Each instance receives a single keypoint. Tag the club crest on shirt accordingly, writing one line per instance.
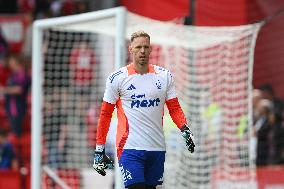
(159, 84)
(162, 69)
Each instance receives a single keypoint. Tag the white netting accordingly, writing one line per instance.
(75, 67)
(212, 69)
(213, 85)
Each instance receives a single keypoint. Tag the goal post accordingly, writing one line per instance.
(212, 67)
(37, 72)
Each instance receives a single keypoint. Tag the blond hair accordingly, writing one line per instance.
(139, 33)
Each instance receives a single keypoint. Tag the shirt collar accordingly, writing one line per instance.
(131, 70)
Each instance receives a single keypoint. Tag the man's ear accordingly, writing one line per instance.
(130, 49)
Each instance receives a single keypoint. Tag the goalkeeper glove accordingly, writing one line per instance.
(188, 136)
(101, 160)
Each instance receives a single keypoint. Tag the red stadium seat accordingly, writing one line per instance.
(27, 124)
(10, 180)
(2, 108)
(25, 149)
(28, 181)
(270, 177)
(4, 74)
(5, 123)
(29, 99)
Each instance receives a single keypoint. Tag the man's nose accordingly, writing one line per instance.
(142, 49)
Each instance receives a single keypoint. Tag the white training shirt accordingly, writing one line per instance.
(140, 103)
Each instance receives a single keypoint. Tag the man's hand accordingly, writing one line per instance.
(101, 160)
(188, 136)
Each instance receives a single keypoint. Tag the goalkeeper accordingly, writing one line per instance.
(139, 91)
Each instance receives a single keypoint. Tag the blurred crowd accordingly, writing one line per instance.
(268, 126)
(15, 107)
(15, 80)
(44, 8)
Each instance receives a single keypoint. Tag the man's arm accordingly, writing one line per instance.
(104, 122)
(111, 95)
(176, 112)
(101, 160)
(179, 119)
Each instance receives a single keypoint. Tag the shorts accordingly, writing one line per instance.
(140, 166)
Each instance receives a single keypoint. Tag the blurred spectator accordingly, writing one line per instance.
(276, 150)
(68, 7)
(7, 155)
(56, 8)
(4, 47)
(82, 7)
(257, 96)
(263, 128)
(27, 46)
(277, 104)
(276, 135)
(26, 6)
(82, 74)
(16, 93)
(55, 127)
(82, 67)
(42, 9)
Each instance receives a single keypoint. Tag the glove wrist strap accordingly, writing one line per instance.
(100, 148)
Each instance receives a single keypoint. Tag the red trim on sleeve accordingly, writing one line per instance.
(176, 112)
(104, 122)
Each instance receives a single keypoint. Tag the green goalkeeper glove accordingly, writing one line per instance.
(101, 160)
(188, 136)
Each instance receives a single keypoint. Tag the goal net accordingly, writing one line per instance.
(212, 67)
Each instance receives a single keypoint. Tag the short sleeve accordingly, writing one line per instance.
(171, 92)
(111, 94)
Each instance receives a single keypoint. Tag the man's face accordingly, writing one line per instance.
(12, 63)
(140, 49)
